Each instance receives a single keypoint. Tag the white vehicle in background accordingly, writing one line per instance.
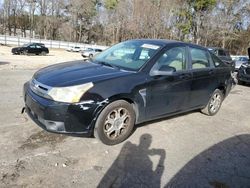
(90, 52)
(74, 49)
(234, 57)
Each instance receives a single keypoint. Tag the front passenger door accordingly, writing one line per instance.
(168, 94)
(38, 49)
(32, 49)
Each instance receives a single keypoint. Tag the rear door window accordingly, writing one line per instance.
(217, 62)
(199, 58)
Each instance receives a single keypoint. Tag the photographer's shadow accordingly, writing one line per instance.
(133, 167)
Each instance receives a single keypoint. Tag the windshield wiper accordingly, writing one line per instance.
(107, 64)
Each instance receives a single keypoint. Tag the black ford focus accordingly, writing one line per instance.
(130, 83)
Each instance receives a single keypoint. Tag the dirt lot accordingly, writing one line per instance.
(190, 150)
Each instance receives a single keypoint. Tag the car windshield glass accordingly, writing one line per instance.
(130, 55)
(88, 50)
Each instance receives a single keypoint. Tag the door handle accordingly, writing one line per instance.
(211, 72)
(185, 76)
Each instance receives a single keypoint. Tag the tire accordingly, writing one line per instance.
(115, 123)
(214, 103)
(43, 53)
(240, 82)
(90, 56)
(24, 52)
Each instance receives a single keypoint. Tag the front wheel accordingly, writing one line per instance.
(25, 52)
(115, 123)
(214, 103)
(240, 82)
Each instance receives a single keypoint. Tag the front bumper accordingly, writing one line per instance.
(77, 119)
(244, 77)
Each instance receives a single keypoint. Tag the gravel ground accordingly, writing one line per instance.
(189, 150)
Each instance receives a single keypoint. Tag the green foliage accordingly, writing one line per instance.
(202, 5)
(184, 21)
(111, 4)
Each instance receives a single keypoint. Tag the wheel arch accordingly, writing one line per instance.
(128, 99)
(223, 89)
(112, 99)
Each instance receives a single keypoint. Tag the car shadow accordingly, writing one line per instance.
(224, 165)
(133, 166)
(244, 84)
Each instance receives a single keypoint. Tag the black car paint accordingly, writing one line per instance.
(29, 50)
(152, 96)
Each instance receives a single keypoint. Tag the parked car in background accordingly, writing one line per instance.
(74, 49)
(244, 71)
(90, 52)
(132, 82)
(240, 60)
(234, 57)
(31, 48)
(223, 54)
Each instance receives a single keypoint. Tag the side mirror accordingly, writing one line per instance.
(164, 70)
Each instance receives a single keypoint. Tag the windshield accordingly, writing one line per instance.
(130, 55)
(89, 50)
(243, 59)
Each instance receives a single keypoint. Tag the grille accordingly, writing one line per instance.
(247, 70)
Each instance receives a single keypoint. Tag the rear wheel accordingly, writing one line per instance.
(115, 123)
(43, 53)
(214, 103)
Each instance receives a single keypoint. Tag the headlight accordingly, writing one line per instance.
(70, 94)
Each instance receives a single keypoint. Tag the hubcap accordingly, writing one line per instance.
(116, 123)
(215, 103)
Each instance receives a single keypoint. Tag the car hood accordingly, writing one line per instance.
(76, 73)
(17, 48)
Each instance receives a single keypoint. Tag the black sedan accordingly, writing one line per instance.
(130, 83)
(31, 48)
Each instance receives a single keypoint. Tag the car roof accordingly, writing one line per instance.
(35, 43)
(164, 42)
(216, 48)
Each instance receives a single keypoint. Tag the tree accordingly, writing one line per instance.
(111, 4)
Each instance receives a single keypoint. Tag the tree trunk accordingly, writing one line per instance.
(14, 22)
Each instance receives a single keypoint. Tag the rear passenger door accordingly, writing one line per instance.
(204, 78)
